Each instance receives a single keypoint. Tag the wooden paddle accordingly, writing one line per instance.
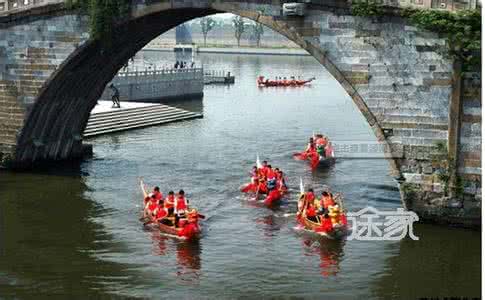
(143, 190)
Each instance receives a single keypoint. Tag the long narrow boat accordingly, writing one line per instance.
(262, 82)
(317, 159)
(272, 197)
(189, 228)
(337, 230)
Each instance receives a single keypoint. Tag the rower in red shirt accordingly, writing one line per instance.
(310, 147)
(310, 196)
(262, 188)
(169, 203)
(264, 169)
(160, 213)
(326, 201)
(157, 193)
(150, 206)
(270, 173)
(311, 213)
(327, 225)
(181, 206)
(281, 184)
(305, 199)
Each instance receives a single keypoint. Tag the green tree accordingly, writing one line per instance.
(206, 25)
(257, 32)
(239, 28)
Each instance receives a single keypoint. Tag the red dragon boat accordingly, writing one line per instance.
(188, 227)
(335, 228)
(259, 185)
(323, 156)
(262, 82)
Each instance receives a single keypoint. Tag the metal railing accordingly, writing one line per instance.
(157, 72)
(19, 5)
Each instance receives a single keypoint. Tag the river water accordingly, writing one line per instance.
(74, 230)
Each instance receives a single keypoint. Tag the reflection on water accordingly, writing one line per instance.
(187, 255)
(271, 224)
(188, 259)
(418, 268)
(48, 242)
(331, 253)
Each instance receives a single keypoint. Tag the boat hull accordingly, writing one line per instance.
(189, 231)
(262, 82)
(338, 232)
(179, 232)
(326, 161)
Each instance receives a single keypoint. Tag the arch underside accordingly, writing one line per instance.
(54, 127)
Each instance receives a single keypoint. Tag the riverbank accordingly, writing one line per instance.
(240, 50)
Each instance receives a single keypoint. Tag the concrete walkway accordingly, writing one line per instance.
(106, 106)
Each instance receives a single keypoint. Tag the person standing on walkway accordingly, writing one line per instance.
(115, 97)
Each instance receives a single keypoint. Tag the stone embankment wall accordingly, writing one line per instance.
(154, 85)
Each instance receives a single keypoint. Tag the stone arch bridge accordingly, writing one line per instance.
(411, 94)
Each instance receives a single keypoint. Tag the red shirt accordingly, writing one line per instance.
(161, 213)
(181, 203)
(327, 224)
(310, 211)
(152, 205)
(158, 195)
(169, 201)
(310, 197)
(264, 171)
(327, 201)
(270, 173)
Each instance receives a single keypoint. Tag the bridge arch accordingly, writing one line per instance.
(62, 108)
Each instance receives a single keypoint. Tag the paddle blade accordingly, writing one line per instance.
(299, 156)
(302, 189)
(258, 162)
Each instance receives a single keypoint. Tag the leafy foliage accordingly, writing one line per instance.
(462, 30)
(446, 168)
(206, 25)
(257, 32)
(239, 28)
(103, 15)
(410, 189)
(366, 9)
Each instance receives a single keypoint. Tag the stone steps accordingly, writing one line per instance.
(132, 118)
(102, 116)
